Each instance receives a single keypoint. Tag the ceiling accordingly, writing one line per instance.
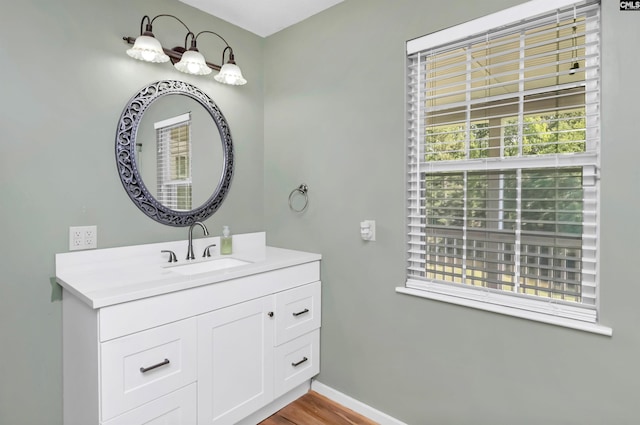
(262, 17)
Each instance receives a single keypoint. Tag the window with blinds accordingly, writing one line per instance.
(503, 159)
(173, 139)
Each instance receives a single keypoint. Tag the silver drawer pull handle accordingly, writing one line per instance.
(300, 313)
(155, 366)
(304, 359)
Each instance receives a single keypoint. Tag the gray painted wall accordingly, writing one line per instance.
(64, 81)
(334, 119)
(331, 114)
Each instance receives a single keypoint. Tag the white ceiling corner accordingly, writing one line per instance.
(262, 17)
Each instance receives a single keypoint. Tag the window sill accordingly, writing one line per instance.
(509, 311)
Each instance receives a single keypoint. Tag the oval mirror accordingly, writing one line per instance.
(174, 153)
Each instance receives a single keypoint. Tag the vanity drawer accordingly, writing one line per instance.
(141, 367)
(296, 361)
(298, 312)
(176, 408)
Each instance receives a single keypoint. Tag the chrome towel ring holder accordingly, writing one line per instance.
(299, 191)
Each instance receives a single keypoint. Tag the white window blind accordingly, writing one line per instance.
(173, 139)
(503, 159)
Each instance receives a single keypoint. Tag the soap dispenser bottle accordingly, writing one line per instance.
(226, 241)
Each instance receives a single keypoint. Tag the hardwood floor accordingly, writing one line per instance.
(315, 409)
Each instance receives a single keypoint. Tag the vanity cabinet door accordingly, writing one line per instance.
(235, 361)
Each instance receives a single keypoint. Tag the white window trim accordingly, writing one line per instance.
(488, 300)
(438, 294)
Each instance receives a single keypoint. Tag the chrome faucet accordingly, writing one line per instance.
(190, 255)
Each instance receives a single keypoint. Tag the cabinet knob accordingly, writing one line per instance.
(270, 314)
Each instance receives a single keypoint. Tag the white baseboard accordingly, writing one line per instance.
(353, 404)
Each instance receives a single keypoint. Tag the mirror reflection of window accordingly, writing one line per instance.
(173, 141)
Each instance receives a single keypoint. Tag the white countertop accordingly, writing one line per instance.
(111, 276)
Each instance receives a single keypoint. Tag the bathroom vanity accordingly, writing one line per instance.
(218, 340)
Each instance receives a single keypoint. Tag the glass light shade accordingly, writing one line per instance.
(192, 62)
(148, 49)
(230, 74)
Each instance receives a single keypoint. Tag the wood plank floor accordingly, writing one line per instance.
(315, 409)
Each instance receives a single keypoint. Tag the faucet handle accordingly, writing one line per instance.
(206, 252)
(172, 255)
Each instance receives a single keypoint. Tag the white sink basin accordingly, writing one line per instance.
(207, 266)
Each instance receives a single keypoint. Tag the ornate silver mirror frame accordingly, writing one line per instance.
(128, 168)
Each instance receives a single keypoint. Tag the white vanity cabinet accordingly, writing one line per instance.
(213, 354)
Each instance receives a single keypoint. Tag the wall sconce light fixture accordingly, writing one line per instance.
(147, 48)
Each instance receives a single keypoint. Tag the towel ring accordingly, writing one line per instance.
(300, 190)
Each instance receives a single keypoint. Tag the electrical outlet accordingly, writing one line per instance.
(83, 237)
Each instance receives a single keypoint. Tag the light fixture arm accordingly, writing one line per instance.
(231, 57)
(148, 25)
(162, 15)
(193, 44)
(214, 33)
